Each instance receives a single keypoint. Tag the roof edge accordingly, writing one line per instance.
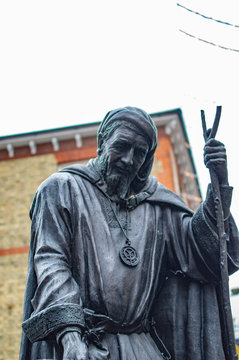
(72, 127)
(47, 131)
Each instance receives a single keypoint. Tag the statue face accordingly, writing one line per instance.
(123, 155)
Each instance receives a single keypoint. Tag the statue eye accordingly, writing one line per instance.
(140, 152)
(120, 146)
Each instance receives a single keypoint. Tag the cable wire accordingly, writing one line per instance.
(208, 42)
(207, 17)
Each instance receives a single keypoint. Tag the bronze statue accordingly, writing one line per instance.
(119, 267)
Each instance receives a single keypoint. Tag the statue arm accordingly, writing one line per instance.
(57, 302)
(215, 158)
(205, 224)
(192, 240)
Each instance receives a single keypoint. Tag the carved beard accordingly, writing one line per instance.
(117, 184)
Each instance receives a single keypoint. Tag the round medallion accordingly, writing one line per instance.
(129, 256)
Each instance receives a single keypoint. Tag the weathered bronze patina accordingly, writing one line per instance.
(87, 296)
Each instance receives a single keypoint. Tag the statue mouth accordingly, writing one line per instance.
(122, 168)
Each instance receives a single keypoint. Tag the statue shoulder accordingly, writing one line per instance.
(65, 182)
(56, 181)
(57, 191)
(163, 195)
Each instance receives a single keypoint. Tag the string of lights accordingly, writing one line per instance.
(208, 42)
(207, 17)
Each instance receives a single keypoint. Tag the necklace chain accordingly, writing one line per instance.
(128, 254)
(128, 241)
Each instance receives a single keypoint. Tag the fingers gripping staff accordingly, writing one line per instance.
(216, 180)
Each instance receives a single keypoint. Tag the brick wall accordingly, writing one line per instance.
(162, 167)
(13, 270)
(19, 180)
(69, 153)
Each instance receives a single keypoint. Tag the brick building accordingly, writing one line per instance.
(27, 159)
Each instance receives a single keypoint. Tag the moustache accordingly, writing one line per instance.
(126, 168)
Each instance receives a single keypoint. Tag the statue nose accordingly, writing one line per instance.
(127, 157)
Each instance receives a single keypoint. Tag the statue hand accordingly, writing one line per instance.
(215, 158)
(74, 347)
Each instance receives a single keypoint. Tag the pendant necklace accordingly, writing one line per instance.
(128, 254)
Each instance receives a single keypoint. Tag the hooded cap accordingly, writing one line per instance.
(143, 122)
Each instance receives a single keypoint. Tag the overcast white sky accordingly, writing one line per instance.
(69, 62)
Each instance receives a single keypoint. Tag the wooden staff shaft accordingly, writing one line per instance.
(224, 280)
(222, 236)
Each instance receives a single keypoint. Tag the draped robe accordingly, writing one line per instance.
(76, 277)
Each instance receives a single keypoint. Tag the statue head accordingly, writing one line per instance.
(127, 140)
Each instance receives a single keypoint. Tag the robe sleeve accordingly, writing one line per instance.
(56, 302)
(193, 244)
(187, 311)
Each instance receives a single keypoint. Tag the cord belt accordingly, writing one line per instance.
(98, 324)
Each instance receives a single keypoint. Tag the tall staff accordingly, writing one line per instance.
(224, 281)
